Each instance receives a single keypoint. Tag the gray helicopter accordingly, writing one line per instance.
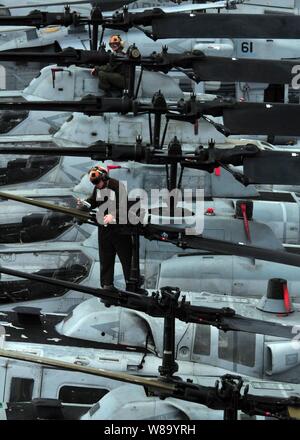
(151, 255)
(214, 221)
(68, 331)
(20, 37)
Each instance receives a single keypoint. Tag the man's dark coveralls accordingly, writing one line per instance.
(111, 241)
(112, 75)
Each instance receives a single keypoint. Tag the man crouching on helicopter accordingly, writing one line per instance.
(112, 76)
(111, 241)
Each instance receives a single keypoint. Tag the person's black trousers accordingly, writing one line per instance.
(111, 243)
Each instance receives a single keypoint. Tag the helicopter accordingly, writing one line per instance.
(144, 406)
(20, 38)
(51, 83)
(214, 49)
(88, 309)
(54, 37)
(243, 49)
(267, 241)
(61, 227)
(30, 122)
(157, 264)
(208, 66)
(151, 255)
(117, 153)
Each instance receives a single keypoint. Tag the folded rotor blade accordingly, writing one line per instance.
(267, 167)
(242, 250)
(219, 246)
(38, 5)
(249, 325)
(239, 117)
(189, 241)
(83, 216)
(226, 320)
(226, 26)
(66, 57)
(123, 377)
(50, 151)
(237, 322)
(247, 70)
(263, 118)
(91, 106)
(273, 167)
(111, 5)
(206, 69)
(181, 25)
(205, 395)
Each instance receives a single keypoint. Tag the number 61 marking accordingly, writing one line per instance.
(247, 47)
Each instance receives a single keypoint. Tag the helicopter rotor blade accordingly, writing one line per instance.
(273, 167)
(190, 7)
(123, 377)
(206, 68)
(165, 233)
(66, 57)
(260, 166)
(244, 70)
(45, 4)
(111, 5)
(247, 117)
(239, 117)
(205, 395)
(226, 26)
(225, 319)
(153, 231)
(248, 325)
(51, 151)
(263, 118)
(90, 106)
(176, 25)
(83, 216)
(260, 327)
(263, 167)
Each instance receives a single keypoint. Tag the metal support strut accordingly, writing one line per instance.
(170, 300)
(95, 14)
(135, 282)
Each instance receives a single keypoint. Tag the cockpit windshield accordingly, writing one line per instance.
(71, 266)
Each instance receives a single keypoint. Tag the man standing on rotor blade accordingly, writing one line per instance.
(112, 76)
(111, 240)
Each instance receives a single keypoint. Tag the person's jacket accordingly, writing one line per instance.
(114, 67)
(121, 198)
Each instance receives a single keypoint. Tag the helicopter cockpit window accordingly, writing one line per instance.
(4, 12)
(21, 170)
(63, 265)
(237, 347)
(31, 34)
(81, 395)
(9, 119)
(4, 36)
(35, 224)
(202, 340)
(21, 389)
